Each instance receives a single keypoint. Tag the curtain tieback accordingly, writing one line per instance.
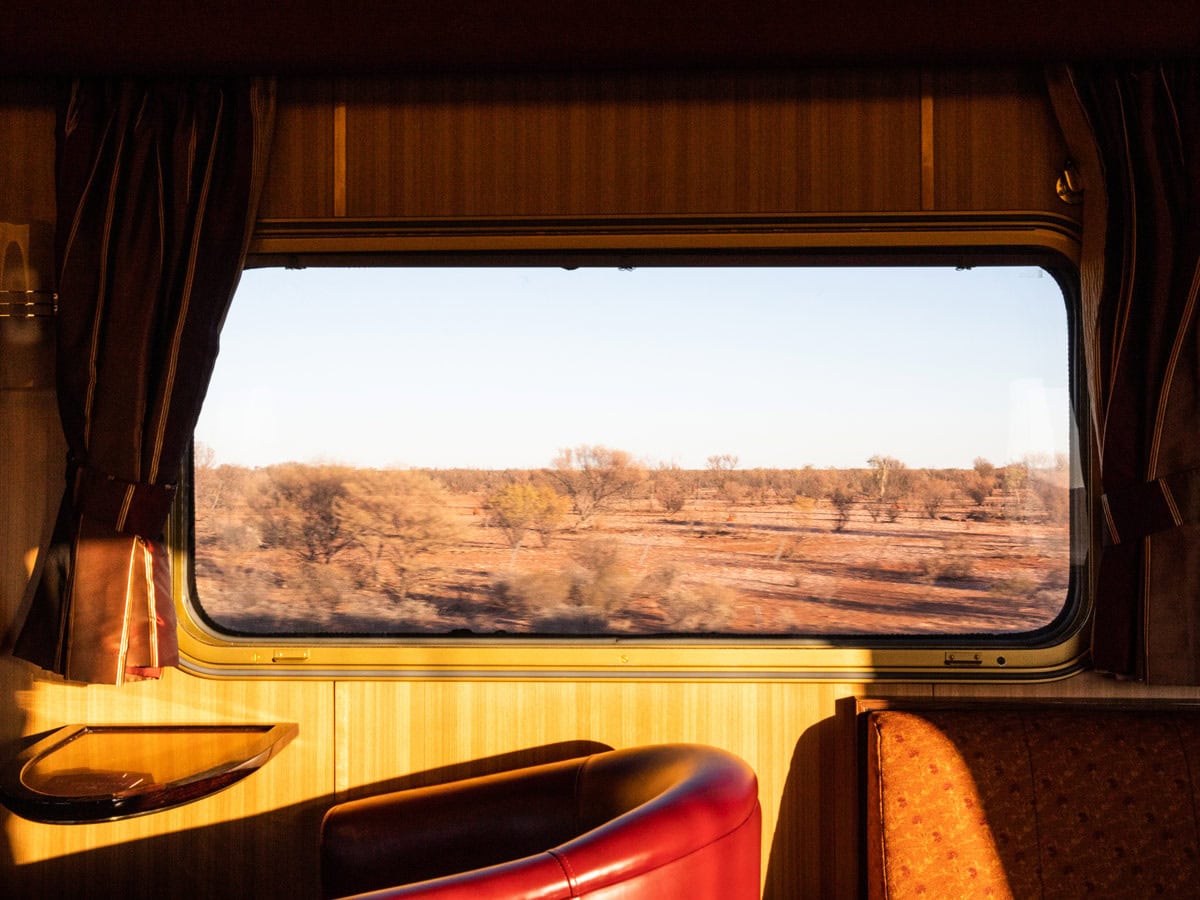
(1138, 510)
(130, 507)
(149, 614)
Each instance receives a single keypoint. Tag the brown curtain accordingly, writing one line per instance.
(157, 188)
(1140, 285)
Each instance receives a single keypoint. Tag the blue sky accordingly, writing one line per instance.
(495, 368)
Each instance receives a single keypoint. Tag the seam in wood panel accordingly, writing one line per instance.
(339, 149)
(927, 160)
(341, 778)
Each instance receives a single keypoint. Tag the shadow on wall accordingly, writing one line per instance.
(270, 855)
(802, 856)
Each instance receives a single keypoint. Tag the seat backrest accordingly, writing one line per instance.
(1032, 801)
(667, 821)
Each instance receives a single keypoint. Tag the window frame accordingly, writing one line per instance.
(1046, 240)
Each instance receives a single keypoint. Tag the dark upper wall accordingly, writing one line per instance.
(369, 36)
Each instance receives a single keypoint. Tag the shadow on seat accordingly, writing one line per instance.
(668, 821)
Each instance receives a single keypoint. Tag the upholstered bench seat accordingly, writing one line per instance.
(1036, 801)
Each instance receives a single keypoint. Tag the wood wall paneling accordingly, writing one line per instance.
(300, 179)
(27, 157)
(634, 145)
(256, 838)
(660, 144)
(993, 147)
(447, 730)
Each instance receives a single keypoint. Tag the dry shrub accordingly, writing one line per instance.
(529, 595)
(602, 582)
(584, 599)
(567, 619)
(705, 607)
(1055, 500)
(658, 583)
(954, 563)
(552, 603)
(1015, 586)
(789, 548)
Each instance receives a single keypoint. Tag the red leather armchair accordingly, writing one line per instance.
(662, 822)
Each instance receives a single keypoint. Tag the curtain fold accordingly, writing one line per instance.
(1140, 287)
(158, 183)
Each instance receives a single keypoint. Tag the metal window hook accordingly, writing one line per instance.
(1069, 186)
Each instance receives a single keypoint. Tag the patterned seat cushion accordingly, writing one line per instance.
(1053, 803)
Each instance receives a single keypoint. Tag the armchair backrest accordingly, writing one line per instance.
(667, 821)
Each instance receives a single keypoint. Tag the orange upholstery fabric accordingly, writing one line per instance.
(1048, 803)
(670, 821)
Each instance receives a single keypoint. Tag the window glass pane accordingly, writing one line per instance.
(739, 451)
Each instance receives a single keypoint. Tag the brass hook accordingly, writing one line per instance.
(1070, 186)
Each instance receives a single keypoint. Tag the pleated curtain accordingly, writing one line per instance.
(1140, 286)
(158, 183)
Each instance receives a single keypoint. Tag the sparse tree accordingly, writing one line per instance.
(1048, 477)
(843, 494)
(843, 501)
(932, 493)
(1013, 480)
(984, 468)
(720, 474)
(719, 467)
(810, 482)
(594, 477)
(398, 518)
(1055, 499)
(374, 524)
(519, 508)
(298, 511)
(672, 487)
(210, 483)
(887, 483)
(979, 483)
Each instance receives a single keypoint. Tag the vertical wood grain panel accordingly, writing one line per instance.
(339, 148)
(928, 200)
(631, 145)
(440, 731)
(865, 142)
(27, 154)
(852, 141)
(255, 838)
(996, 142)
(300, 174)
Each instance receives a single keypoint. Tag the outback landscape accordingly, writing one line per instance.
(600, 543)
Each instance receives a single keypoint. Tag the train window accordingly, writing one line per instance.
(638, 453)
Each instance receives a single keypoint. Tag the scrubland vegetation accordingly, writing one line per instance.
(598, 542)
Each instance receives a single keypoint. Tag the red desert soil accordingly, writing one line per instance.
(760, 570)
